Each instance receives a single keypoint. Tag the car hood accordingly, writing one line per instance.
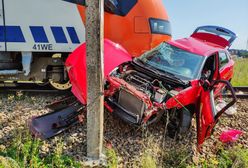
(114, 55)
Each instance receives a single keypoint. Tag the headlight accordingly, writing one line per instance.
(159, 26)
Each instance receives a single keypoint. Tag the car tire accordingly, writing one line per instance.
(185, 119)
(181, 125)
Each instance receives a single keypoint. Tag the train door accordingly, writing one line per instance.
(2, 27)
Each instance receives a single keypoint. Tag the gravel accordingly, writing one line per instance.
(129, 142)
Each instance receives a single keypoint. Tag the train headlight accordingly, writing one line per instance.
(159, 26)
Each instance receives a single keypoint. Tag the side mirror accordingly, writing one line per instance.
(205, 75)
(205, 79)
(205, 84)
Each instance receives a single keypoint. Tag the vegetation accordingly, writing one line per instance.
(112, 160)
(244, 54)
(148, 161)
(25, 153)
(240, 72)
(234, 157)
(176, 158)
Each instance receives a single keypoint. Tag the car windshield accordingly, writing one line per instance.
(173, 60)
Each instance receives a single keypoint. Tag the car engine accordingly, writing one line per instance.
(138, 95)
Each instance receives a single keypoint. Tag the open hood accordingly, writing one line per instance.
(114, 55)
(215, 35)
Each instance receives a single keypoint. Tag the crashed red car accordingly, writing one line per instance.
(178, 78)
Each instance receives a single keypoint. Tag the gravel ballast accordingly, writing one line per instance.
(130, 143)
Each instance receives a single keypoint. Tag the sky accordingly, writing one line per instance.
(186, 15)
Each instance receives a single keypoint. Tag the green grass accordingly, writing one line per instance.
(240, 77)
(235, 157)
(112, 160)
(25, 153)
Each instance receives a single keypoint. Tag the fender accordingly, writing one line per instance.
(185, 97)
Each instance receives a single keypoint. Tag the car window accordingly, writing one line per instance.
(171, 59)
(223, 59)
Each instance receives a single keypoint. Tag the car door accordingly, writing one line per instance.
(207, 115)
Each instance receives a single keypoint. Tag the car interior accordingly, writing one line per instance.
(209, 68)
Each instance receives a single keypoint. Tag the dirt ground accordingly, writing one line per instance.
(130, 143)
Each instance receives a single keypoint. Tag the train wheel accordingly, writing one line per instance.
(60, 86)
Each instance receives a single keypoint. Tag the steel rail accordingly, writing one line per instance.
(32, 88)
(241, 91)
(241, 88)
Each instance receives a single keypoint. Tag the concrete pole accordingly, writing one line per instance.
(95, 77)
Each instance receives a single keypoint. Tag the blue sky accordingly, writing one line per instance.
(186, 15)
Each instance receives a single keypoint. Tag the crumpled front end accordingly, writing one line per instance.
(138, 98)
(114, 55)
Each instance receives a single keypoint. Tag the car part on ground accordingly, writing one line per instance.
(54, 123)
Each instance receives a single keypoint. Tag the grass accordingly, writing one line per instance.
(24, 152)
(234, 157)
(112, 160)
(148, 161)
(240, 77)
(177, 157)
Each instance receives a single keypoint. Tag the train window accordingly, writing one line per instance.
(159, 26)
(111, 6)
(119, 7)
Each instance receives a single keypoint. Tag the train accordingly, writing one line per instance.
(36, 36)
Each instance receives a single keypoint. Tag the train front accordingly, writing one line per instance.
(137, 25)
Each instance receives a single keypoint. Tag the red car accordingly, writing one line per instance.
(177, 78)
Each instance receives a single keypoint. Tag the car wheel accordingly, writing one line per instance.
(181, 124)
(185, 120)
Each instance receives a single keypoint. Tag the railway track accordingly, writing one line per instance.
(32, 88)
(241, 91)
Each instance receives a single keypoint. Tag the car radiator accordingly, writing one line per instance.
(131, 103)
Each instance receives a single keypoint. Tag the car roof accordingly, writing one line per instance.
(196, 46)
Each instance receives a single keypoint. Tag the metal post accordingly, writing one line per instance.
(95, 77)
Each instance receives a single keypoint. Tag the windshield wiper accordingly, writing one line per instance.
(157, 71)
(166, 74)
(152, 69)
(174, 76)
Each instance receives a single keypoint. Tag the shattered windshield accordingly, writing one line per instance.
(173, 60)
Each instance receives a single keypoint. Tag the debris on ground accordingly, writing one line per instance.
(230, 136)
